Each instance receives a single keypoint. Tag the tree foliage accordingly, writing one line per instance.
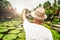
(46, 4)
(6, 9)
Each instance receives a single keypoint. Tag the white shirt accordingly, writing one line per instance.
(36, 32)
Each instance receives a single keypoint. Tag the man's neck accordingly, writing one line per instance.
(36, 21)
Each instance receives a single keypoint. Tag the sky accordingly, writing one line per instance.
(29, 4)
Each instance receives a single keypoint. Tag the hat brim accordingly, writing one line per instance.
(35, 16)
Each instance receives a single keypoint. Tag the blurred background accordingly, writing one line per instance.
(11, 27)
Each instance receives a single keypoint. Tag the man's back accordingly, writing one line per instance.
(36, 32)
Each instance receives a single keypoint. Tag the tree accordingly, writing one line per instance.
(6, 9)
(46, 4)
(4, 3)
(37, 7)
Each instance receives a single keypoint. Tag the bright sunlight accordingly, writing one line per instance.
(29, 4)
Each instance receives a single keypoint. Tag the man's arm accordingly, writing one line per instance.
(24, 14)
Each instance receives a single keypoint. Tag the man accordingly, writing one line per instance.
(35, 31)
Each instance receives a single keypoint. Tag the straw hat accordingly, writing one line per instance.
(39, 13)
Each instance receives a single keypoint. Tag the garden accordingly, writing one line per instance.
(11, 27)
